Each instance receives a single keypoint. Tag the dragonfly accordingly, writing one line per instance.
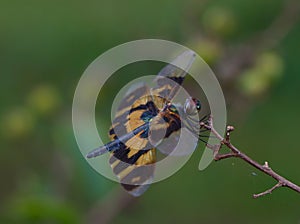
(145, 117)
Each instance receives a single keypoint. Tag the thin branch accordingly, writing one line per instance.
(223, 156)
(234, 152)
(269, 191)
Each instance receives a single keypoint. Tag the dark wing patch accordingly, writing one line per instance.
(118, 124)
(136, 174)
(171, 77)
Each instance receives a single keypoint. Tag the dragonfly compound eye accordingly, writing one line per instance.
(198, 104)
(192, 106)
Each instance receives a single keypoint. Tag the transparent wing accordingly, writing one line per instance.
(171, 77)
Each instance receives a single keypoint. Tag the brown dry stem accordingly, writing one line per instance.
(234, 152)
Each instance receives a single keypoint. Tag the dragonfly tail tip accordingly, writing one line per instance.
(96, 152)
(89, 155)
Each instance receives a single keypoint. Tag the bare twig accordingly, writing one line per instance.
(269, 191)
(234, 152)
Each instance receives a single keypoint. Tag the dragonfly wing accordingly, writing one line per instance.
(179, 143)
(133, 161)
(171, 77)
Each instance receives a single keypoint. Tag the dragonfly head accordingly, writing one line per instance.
(192, 106)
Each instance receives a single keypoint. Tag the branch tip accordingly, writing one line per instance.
(269, 191)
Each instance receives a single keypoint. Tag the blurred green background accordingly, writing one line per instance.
(253, 47)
